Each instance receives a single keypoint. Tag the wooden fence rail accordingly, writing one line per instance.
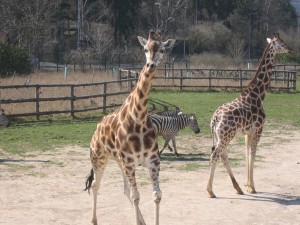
(75, 98)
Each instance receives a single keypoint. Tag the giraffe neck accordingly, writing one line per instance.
(137, 101)
(259, 84)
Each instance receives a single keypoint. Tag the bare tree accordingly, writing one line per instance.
(28, 22)
(236, 49)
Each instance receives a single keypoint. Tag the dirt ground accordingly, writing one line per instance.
(47, 188)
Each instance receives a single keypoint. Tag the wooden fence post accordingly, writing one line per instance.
(72, 99)
(129, 82)
(209, 80)
(37, 103)
(181, 79)
(241, 80)
(104, 97)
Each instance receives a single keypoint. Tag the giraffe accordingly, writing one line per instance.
(244, 114)
(127, 136)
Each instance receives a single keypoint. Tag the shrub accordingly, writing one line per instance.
(13, 59)
(211, 37)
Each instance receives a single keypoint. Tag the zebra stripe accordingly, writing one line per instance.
(168, 127)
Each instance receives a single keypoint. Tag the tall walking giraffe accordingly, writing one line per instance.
(127, 136)
(244, 114)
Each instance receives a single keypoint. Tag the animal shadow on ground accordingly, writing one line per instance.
(282, 199)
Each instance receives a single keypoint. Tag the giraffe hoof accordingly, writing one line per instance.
(239, 191)
(251, 190)
(211, 194)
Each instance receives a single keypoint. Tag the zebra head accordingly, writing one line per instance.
(193, 125)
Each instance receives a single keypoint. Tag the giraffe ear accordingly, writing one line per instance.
(142, 41)
(269, 40)
(169, 43)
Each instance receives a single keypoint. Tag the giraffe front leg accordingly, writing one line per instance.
(154, 168)
(127, 193)
(134, 195)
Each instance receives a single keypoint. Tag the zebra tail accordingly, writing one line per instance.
(89, 181)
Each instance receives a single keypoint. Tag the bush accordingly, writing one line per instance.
(13, 59)
(211, 37)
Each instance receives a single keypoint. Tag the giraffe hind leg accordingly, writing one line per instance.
(228, 168)
(98, 170)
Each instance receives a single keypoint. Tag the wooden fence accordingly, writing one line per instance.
(38, 100)
(212, 79)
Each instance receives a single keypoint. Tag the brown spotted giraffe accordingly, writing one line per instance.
(127, 136)
(244, 114)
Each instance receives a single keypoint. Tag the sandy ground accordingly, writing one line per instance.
(47, 188)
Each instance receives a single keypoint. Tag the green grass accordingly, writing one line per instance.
(283, 108)
(191, 166)
(26, 136)
(45, 136)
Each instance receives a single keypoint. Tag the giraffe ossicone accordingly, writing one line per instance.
(244, 114)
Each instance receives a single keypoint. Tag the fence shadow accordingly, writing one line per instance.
(23, 161)
(157, 104)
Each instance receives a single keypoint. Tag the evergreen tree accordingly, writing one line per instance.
(124, 14)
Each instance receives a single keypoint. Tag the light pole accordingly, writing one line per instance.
(78, 23)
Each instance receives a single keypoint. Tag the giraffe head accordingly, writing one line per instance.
(278, 45)
(154, 47)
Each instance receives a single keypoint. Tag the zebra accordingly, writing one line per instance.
(3, 119)
(168, 127)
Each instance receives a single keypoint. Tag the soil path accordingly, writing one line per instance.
(47, 188)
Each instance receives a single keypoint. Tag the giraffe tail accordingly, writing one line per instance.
(212, 126)
(89, 181)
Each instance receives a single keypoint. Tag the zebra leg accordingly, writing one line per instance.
(167, 140)
(174, 145)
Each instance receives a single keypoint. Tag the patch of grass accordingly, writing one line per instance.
(236, 161)
(45, 137)
(191, 167)
(56, 163)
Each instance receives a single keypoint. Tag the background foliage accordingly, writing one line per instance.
(59, 27)
(13, 59)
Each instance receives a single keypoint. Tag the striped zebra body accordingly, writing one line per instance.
(3, 119)
(168, 127)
